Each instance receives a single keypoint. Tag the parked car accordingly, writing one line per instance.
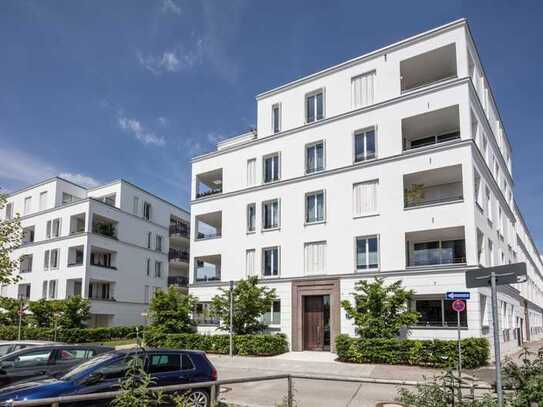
(11, 346)
(48, 360)
(104, 373)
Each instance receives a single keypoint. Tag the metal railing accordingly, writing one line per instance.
(422, 202)
(214, 388)
(179, 281)
(178, 255)
(177, 229)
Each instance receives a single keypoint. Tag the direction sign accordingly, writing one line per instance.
(455, 295)
(507, 274)
(458, 305)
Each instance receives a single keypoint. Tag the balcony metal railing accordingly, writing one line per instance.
(209, 192)
(178, 255)
(435, 259)
(421, 202)
(177, 229)
(105, 229)
(204, 236)
(178, 281)
(103, 266)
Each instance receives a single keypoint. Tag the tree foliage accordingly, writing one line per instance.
(10, 239)
(250, 303)
(8, 311)
(171, 311)
(379, 310)
(74, 312)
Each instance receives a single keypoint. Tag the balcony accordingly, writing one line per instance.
(428, 68)
(74, 288)
(178, 281)
(179, 228)
(103, 258)
(209, 225)
(28, 235)
(104, 226)
(209, 183)
(436, 247)
(75, 256)
(431, 187)
(178, 255)
(101, 290)
(77, 223)
(431, 128)
(207, 268)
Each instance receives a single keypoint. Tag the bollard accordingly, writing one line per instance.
(213, 396)
(289, 391)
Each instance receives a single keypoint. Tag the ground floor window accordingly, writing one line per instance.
(439, 313)
(273, 316)
(202, 314)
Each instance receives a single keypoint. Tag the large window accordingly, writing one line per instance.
(314, 207)
(251, 172)
(364, 145)
(250, 255)
(271, 168)
(440, 252)
(365, 198)
(273, 316)
(315, 258)
(438, 312)
(53, 228)
(314, 106)
(28, 204)
(276, 118)
(50, 259)
(314, 157)
(251, 217)
(202, 315)
(270, 214)
(367, 253)
(362, 90)
(270, 261)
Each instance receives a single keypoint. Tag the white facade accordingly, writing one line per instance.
(393, 164)
(115, 244)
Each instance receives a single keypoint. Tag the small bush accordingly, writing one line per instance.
(74, 335)
(256, 345)
(432, 353)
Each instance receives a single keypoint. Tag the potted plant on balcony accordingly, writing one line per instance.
(106, 229)
(414, 194)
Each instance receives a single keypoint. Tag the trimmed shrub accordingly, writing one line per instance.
(74, 335)
(431, 353)
(256, 345)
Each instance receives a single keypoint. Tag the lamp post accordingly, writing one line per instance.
(231, 317)
(144, 315)
(20, 313)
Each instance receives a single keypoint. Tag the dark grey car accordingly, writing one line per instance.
(49, 360)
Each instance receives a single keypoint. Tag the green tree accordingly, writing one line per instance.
(379, 310)
(73, 312)
(8, 311)
(250, 303)
(10, 239)
(43, 312)
(171, 311)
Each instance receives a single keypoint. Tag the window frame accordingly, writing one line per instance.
(444, 324)
(272, 323)
(278, 223)
(358, 76)
(367, 269)
(310, 145)
(255, 181)
(315, 92)
(278, 261)
(247, 223)
(276, 171)
(368, 214)
(364, 131)
(306, 206)
(279, 121)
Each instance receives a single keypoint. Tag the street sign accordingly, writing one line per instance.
(507, 274)
(455, 295)
(458, 305)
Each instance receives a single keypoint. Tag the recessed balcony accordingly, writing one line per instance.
(209, 183)
(77, 223)
(428, 68)
(178, 255)
(179, 228)
(74, 287)
(209, 225)
(75, 256)
(104, 226)
(104, 258)
(431, 128)
(101, 290)
(432, 187)
(178, 281)
(207, 268)
(437, 247)
(25, 263)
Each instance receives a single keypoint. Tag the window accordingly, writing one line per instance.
(250, 255)
(439, 312)
(54, 259)
(31, 359)
(314, 207)
(53, 228)
(490, 253)
(115, 370)
(135, 205)
(273, 316)
(439, 252)
(146, 294)
(46, 257)
(23, 291)
(147, 210)
(70, 355)
(314, 106)
(488, 204)
(44, 289)
(364, 145)
(67, 198)
(158, 269)
(367, 254)
(164, 363)
(9, 211)
(276, 118)
(477, 186)
(158, 243)
(149, 236)
(363, 90)
(148, 267)
(499, 225)
(271, 168)
(202, 315)
(43, 200)
(251, 172)
(52, 289)
(314, 157)
(365, 198)
(28, 205)
(480, 247)
(270, 214)
(315, 258)
(251, 217)
(270, 261)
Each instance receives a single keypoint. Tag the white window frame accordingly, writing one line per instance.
(273, 323)
(135, 205)
(364, 132)
(278, 221)
(278, 260)
(158, 267)
(148, 267)
(279, 121)
(275, 171)
(325, 265)
(251, 166)
(376, 211)
(314, 144)
(315, 93)
(43, 200)
(27, 208)
(51, 266)
(315, 193)
(373, 73)
(367, 269)
(46, 259)
(247, 271)
(249, 205)
(158, 242)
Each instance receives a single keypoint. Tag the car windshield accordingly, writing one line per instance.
(87, 365)
(4, 349)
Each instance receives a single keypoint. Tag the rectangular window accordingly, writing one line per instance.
(477, 186)
(364, 145)
(439, 313)
(363, 90)
(67, 198)
(44, 289)
(146, 294)
(365, 198)
(250, 255)
(276, 118)
(54, 259)
(52, 289)
(491, 261)
(488, 204)
(251, 217)
(480, 248)
(202, 315)
(314, 157)
(314, 207)
(135, 205)
(315, 258)
(147, 210)
(439, 252)
(270, 261)
(251, 172)
(270, 214)
(28, 205)
(53, 228)
(158, 269)
(158, 243)
(273, 316)
(367, 253)
(149, 237)
(271, 168)
(148, 267)
(314, 106)
(9, 211)
(43, 200)
(46, 257)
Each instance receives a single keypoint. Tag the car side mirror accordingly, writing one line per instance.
(94, 378)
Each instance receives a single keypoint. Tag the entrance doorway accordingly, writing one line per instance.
(316, 322)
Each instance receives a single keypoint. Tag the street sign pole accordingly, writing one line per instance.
(496, 327)
(459, 346)
(231, 317)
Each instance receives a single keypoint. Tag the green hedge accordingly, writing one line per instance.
(76, 335)
(257, 345)
(432, 353)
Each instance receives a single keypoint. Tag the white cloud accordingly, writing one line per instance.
(80, 179)
(134, 127)
(169, 6)
(162, 121)
(173, 60)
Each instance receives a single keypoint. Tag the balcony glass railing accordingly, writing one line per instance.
(178, 255)
(209, 192)
(425, 201)
(179, 230)
(178, 281)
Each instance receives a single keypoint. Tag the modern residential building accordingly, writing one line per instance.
(394, 164)
(115, 245)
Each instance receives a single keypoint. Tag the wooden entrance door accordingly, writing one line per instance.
(313, 323)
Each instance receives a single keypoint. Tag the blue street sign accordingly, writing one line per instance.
(454, 295)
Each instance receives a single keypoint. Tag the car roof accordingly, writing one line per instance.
(155, 350)
(30, 342)
(58, 346)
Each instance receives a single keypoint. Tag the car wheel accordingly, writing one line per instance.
(197, 398)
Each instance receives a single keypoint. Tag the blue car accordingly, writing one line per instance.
(103, 373)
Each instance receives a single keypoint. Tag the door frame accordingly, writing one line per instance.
(303, 288)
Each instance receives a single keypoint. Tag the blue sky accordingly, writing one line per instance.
(98, 90)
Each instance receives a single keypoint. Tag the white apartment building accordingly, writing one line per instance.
(115, 245)
(394, 164)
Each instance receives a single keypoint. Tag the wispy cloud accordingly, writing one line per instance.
(80, 179)
(170, 6)
(137, 130)
(173, 60)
